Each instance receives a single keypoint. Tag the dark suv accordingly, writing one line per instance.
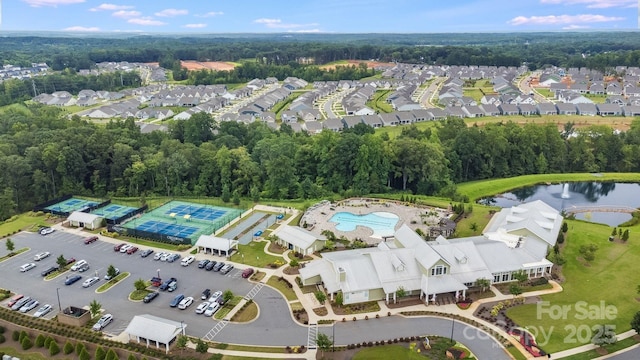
(49, 270)
(165, 285)
(210, 265)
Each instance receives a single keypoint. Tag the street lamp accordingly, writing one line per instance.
(58, 293)
(158, 273)
(182, 327)
(453, 322)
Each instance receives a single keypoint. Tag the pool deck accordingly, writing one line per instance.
(414, 216)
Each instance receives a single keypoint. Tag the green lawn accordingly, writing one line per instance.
(22, 355)
(387, 352)
(592, 354)
(483, 188)
(545, 92)
(253, 254)
(598, 99)
(16, 223)
(379, 102)
(226, 308)
(284, 289)
(604, 283)
(479, 216)
(113, 282)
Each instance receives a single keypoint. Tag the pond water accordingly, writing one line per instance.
(578, 195)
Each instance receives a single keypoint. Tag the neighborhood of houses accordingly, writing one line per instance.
(19, 72)
(516, 240)
(405, 83)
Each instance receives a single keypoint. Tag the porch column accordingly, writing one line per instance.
(394, 298)
(464, 294)
(386, 295)
(457, 294)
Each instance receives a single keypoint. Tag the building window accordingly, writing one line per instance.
(505, 277)
(438, 270)
(496, 278)
(468, 284)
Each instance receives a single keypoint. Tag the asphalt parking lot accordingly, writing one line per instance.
(274, 313)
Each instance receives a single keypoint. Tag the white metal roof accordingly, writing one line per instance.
(218, 243)
(154, 328)
(298, 236)
(78, 216)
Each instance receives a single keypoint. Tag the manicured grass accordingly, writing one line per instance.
(544, 92)
(516, 353)
(250, 312)
(284, 104)
(20, 222)
(604, 282)
(226, 308)
(296, 305)
(387, 352)
(16, 252)
(253, 254)
(379, 102)
(477, 219)
(483, 188)
(592, 354)
(150, 243)
(260, 349)
(558, 120)
(22, 355)
(598, 99)
(138, 295)
(111, 283)
(284, 289)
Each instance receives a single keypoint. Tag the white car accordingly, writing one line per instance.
(29, 306)
(78, 264)
(216, 297)
(27, 267)
(202, 307)
(44, 310)
(46, 231)
(41, 256)
(105, 320)
(107, 277)
(185, 303)
(165, 256)
(187, 261)
(126, 247)
(211, 309)
(159, 255)
(90, 281)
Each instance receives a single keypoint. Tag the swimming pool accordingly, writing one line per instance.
(382, 223)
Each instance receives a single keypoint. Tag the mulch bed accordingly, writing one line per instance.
(321, 311)
(405, 302)
(291, 270)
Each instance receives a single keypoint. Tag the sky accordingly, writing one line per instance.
(314, 16)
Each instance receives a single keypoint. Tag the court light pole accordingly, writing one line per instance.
(58, 294)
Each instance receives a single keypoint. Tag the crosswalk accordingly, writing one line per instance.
(215, 330)
(312, 335)
(254, 291)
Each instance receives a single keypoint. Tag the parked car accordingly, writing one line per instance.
(216, 297)
(203, 263)
(132, 250)
(159, 255)
(41, 256)
(44, 310)
(72, 279)
(258, 233)
(211, 309)
(118, 247)
(202, 307)
(205, 294)
(165, 284)
(107, 277)
(29, 306)
(90, 239)
(49, 270)
(210, 265)
(90, 281)
(156, 281)
(247, 272)
(150, 296)
(173, 257)
(78, 264)
(172, 286)
(165, 256)
(176, 300)
(20, 303)
(125, 248)
(146, 253)
(46, 231)
(188, 260)
(83, 268)
(218, 266)
(185, 303)
(71, 261)
(27, 267)
(225, 269)
(14, 300)
(105, 320)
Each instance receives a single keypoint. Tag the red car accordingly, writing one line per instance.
(90, 239)
(117, 247)
(71, 261)
(247, 272)
(14, 300)
(132, 250)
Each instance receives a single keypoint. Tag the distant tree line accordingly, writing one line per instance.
(43, 154)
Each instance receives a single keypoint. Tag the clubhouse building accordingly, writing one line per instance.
(516, 239)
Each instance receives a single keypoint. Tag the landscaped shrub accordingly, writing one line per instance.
(111, 355)
(84, 354)
(15, 335)
(26, 343)
(79, 348)
(2, 339)
(23, 334)
(100, 353)
(54, 349)
(216, 357)
(47, 341)
(40, 340)
(68, 348)
(2, 329)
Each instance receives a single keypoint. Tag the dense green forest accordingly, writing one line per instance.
(44, 154)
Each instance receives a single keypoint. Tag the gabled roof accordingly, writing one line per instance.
(537, 217)
(298, 236)
(78, 216)
(154, 328)
(218, 243)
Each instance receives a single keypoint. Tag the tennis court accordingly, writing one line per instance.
(184, 220)
(71, 205)
(113, 211)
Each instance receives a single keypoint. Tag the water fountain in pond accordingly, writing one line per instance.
(565, 191)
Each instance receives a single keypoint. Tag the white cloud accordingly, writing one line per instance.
(561, 19)
(595, 4)
(52, 3)
(305, 31)
(126, 13)
(195, 26)
(172, 12)
(82, 29)
(210, 14)
(576, 27)
(146, 20)
(110, 7)
(278, 24)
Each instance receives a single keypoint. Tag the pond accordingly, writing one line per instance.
(597, 200)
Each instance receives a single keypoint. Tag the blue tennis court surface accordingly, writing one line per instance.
(166, 228)
(71, 205)
(196, 212)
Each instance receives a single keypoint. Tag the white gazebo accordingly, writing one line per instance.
(221, 245)
(153, 329)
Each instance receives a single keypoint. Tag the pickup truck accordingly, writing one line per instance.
(156, 281)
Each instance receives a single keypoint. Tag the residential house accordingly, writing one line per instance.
(490, 109)
(372, 120)
(609, 109)
(546, 109)
(473, 111)
(566, 109)
(586, 109)
(312, 127)
(390, 119)
(333, 124)
(631, 110)
(527, 109)
(508, 109)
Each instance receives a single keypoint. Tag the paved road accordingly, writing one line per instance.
(430, 92)
(524, 87)
(633, 354)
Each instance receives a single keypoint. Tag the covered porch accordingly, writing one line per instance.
(432, 286)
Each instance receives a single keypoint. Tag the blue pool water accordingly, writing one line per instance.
(382, 223)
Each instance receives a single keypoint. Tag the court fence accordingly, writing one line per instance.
(142, 234)
(129, 215)
(43, 207)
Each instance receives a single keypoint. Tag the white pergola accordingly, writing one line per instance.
(153, 329)
(211, 243)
